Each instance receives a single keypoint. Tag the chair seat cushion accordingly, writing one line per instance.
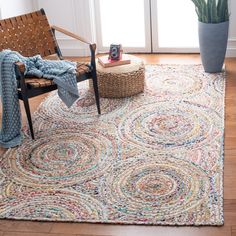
(82, 68)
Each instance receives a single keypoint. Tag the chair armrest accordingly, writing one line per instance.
(21, 67)
(92, 46)
(68, 33)
(20, 71)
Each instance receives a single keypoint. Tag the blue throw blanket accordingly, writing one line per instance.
(63, 74)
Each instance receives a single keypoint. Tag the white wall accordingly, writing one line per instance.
(9, 8)
(74, 16)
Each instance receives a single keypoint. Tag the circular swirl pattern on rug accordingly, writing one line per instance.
(219, 83)
(54, 205)
(170, 82)
(155, 158)
(167, 126)
(84, 110)
(61, 158)
(155, 188)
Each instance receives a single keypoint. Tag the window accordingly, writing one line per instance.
(147, 25)
(123, 21)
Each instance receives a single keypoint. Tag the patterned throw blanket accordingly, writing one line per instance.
(63, 74)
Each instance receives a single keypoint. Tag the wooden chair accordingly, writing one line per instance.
(31, 34)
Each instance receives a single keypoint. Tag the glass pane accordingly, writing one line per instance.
(177, 24)
(122, 21)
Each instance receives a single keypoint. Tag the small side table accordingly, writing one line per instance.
(121, 81)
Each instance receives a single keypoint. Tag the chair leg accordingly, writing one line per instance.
(96, 92)
(23, 95)
(27, 110)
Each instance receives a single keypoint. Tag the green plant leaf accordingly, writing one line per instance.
(211, 11)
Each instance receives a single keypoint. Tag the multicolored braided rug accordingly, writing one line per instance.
(155, 158)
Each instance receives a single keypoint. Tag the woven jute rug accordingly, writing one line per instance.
(155, 158)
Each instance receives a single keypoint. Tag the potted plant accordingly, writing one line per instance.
(213, 27)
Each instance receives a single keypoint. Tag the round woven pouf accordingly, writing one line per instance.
(121, 81)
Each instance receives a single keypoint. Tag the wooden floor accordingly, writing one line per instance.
(26, 228)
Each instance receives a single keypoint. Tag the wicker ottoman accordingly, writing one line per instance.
(121, 81)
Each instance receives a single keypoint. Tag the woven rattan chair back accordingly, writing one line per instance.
(28, 34)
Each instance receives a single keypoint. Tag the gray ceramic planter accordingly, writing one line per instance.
(213, 40)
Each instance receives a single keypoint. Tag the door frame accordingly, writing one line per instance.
(151, 32)
(155, 44)
(148, 39)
